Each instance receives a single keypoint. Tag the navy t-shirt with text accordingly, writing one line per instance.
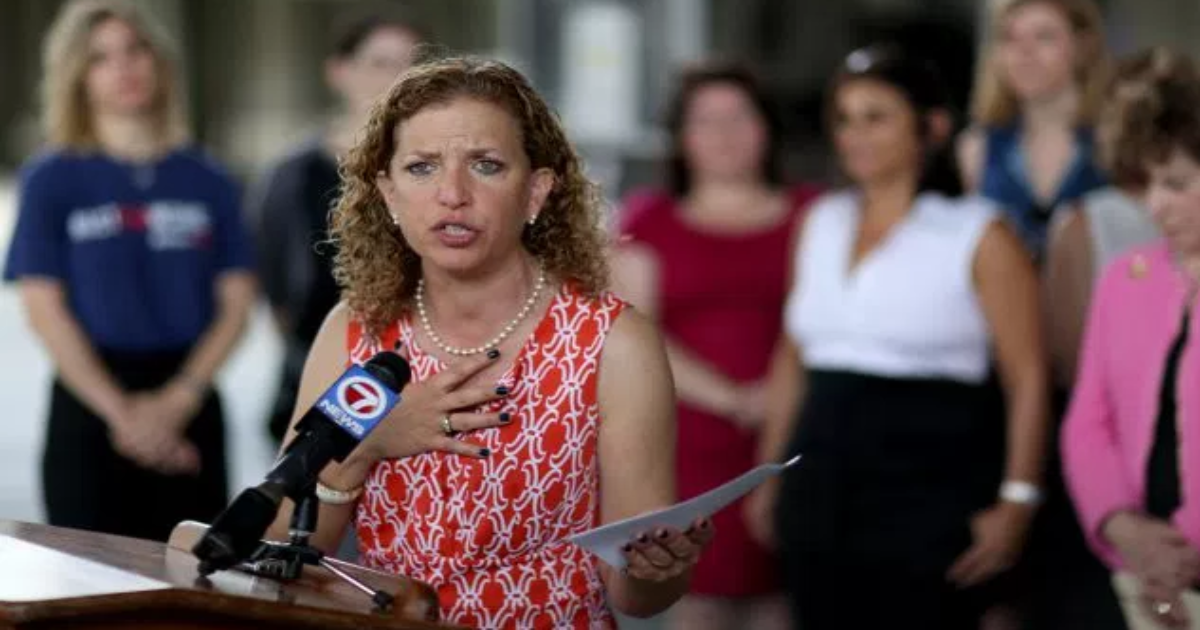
(137, 248)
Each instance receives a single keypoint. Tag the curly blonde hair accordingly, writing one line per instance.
(378, 270)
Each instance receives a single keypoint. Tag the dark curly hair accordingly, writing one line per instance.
(1127, 119)
(1155, 111)
(377, 269)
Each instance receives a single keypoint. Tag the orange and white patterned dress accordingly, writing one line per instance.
(490, 535)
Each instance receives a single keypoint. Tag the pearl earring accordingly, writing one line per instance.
(532, 220)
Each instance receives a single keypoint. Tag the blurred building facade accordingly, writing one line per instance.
(254, 66)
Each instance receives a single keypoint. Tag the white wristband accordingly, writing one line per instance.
(332, 496)
(1020, 492)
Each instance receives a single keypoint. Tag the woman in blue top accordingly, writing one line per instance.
(134, 270)
(1041, 81)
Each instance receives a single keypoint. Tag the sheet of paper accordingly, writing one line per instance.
(606, 541)
(53, 574)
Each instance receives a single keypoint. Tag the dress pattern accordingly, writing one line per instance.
(489, 535)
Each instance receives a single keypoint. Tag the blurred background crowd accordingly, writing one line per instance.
(775, 169)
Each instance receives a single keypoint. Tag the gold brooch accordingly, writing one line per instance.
(1138, 267)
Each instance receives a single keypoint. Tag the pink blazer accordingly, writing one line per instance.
(1135, 317)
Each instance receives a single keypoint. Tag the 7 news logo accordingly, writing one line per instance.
(357, 402)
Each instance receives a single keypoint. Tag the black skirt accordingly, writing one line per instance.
(880, 506)
(88, 485)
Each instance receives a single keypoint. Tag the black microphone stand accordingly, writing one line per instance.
(285, 560)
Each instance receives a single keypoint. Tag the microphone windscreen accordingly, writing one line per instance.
(390, 368)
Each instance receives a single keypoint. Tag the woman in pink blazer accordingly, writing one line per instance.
(1132, 435)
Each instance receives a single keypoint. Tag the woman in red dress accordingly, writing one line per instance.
(540, 407)
(708, 259)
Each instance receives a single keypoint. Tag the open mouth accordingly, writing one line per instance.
(454, 234)
(454, 229)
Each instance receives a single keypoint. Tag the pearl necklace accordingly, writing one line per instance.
(508, 329)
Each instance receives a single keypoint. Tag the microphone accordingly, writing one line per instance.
(341, 418)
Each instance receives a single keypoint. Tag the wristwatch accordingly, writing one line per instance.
(1021, 493)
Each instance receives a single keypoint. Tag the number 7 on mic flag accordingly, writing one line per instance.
(357, 402)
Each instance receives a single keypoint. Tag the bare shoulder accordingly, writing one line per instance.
(970, 141)
(634, 365)
(338, 320)
(634, 253)
(1001, 258)
(634, 337)
(1000, 245)
(635, 275)
(332, 339)
(973, 133)
(969, 148)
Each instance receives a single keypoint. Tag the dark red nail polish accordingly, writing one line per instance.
(505, 417)
(493, 354)
(627, 548)
(396, 346)
(502, 391)
(485, 452)
(642, 538)
(662, 534)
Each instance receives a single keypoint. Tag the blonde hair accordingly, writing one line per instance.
(995, 104)
(378, 271)
(67, 116)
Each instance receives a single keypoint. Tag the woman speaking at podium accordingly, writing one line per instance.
(541, 406)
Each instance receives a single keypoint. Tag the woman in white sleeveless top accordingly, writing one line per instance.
(905, 505)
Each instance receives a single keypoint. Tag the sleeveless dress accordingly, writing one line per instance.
(490, 535)
(721, 297)
(901, 427)
(1005, 180)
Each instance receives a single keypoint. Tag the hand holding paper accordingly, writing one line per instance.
(666, 552)
(606, 541)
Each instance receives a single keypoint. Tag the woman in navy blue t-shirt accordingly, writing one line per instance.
(134, 269)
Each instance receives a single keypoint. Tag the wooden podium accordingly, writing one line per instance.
(62, 578)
